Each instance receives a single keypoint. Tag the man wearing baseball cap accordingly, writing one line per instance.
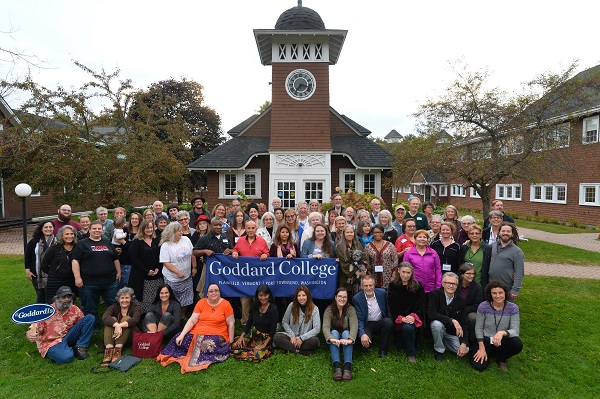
(65, 335)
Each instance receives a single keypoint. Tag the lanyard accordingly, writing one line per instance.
(497, 323)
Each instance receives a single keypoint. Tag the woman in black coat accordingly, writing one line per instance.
(56, 262)
(471, 290)
(146, 270)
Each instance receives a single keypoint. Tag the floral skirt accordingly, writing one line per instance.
(195, 353)
(252, 340)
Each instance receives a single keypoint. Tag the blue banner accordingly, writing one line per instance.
(241, 277)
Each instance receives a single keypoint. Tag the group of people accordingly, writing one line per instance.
(397, 277)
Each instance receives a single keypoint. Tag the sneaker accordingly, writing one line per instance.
(502, 366)
(412, 359)
(80, 353)
(438, 356)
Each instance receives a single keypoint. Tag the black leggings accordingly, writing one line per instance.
(507, 349)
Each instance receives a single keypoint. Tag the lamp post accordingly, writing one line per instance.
(23, 190)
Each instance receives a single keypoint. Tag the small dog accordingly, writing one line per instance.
(358, 264)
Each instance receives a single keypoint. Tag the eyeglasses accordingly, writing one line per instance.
(450, 284)
(183, 219)
(469, 273)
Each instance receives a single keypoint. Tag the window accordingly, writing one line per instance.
(406, 189)
(589, 194)
(590, 130)
(418, 189)
(363, 182)
(306, 51)
(443, 191)
(369, 183)
(458, 190)
(551, 193)
(512, 146)
(481, 150)
(508, 192)
(557, 136)
(245, 180)
(349, 182)
(473, 193)
(294, 48)
(313, 190)
(282, 51)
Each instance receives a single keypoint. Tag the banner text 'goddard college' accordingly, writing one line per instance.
(239, 278)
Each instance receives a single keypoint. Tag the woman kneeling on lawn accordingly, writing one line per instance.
(255, 343)
(497, 328)
(205, 338)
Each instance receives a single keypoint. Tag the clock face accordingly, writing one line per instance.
(300, 84)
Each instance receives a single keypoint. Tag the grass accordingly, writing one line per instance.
(546, 252)
(560, 359)
(547, 227)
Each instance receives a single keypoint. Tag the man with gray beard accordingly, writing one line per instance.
(67, 328)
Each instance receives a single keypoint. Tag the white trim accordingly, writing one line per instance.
(443, 190)
(473, 193)
(593, 120)
(544, 190)
(458, 190)
(240, 182)
(508, 192)
(596, 187)
(359, 179)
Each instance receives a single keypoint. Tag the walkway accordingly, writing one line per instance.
(11, 243)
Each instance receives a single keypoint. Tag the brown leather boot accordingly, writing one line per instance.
(117, 353)
(108, 354)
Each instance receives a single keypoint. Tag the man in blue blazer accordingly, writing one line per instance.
(371, 310)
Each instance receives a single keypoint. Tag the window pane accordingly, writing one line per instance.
(590, 194)
(537, 193)
(369, 183)
(250, 184)
(561, 193)
(230, 183)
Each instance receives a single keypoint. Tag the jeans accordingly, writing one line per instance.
(79, 335)
(89, 295)
(335, 350)
(125, 272)
(443, 341)
(406, 339)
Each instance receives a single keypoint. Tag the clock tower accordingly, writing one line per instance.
(300, 50)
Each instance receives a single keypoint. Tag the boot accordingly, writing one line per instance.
(108, 354)
(347, 371)
(117, 353)
(337, 371)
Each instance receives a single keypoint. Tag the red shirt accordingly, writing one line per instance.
(53, 330)
(256, 249)
(59, 223)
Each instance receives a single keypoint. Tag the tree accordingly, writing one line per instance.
(67, 147)
(498, 134)
(176, 112)
(265, 106)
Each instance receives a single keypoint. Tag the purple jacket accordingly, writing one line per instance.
(428, 270)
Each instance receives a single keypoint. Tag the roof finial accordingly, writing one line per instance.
(299, 3)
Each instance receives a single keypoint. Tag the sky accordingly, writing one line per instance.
(397, 54)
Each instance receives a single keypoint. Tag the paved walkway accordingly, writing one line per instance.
(11, 243)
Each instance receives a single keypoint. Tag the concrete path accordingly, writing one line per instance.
(11, 243)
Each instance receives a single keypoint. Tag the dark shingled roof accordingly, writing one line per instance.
(299, 18)
(232, 154)
(393, 134)
(242, 126)
(360, 129)
(433, 177)
(364, 152)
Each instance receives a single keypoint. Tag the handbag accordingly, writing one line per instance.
(124, 363)
(147, 345)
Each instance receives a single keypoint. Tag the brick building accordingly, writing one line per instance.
(300, 148)
(574, 190)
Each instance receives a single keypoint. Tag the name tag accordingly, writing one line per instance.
(378, 269)
(225, 241)
(403, 240)
(419, 218)
(236, 239)
(446, 267)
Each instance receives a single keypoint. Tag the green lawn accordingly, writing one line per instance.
(560, 360)
(546, 252)
(547, 227)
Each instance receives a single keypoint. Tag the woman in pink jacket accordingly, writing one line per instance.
(425, 262)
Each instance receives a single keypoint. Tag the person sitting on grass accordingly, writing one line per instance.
(68, 327)
(497, 328)
(255, 343)
(302, 325)
(119, 320)
(340, 326)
